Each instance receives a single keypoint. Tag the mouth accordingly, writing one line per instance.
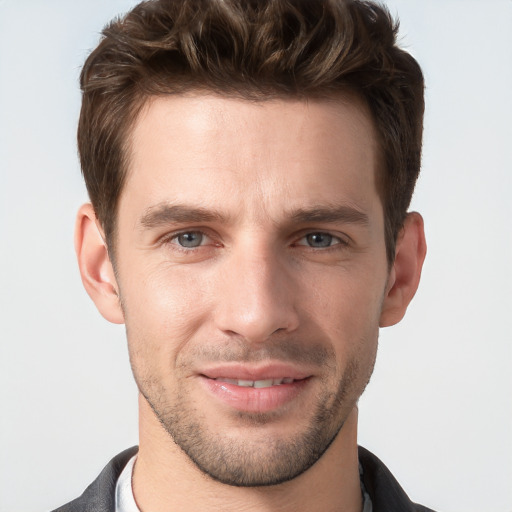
(258, 384)
(255, 390)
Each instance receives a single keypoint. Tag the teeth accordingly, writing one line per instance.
(263, 383)
(256, 383)
(229, 381)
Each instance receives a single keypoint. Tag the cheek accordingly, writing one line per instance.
(344, 298)
(346, 308)
(163, 307)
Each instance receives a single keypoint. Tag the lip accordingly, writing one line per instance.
(250, 399)
(259, 372)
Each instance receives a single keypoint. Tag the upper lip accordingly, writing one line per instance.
(255, 372)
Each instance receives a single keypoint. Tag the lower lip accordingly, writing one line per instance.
(256, 400)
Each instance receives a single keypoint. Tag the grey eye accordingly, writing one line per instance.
(190, 239)
(319, 239)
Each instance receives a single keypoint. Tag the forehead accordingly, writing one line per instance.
(256, 157)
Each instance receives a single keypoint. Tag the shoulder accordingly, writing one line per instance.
(100, 495)
(384, 490)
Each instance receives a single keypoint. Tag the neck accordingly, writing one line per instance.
(165, 479)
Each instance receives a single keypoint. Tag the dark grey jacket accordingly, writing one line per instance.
(384, 490)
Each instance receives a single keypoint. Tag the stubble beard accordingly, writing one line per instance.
(262, 460)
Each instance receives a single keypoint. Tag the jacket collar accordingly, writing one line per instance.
(385, 492)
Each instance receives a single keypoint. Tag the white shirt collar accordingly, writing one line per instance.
(125, 501)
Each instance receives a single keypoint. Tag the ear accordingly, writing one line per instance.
(404, 277)
(95, 266)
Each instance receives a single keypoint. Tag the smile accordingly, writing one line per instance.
(264, 383)
(259, 394)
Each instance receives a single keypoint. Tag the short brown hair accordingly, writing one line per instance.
(254, 49)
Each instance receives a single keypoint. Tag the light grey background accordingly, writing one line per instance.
(439, 408)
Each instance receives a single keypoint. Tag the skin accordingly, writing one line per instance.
(284, 264)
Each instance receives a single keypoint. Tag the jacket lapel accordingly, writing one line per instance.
(100, 495)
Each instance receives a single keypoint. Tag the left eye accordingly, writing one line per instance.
(319, 240)
(189, 239)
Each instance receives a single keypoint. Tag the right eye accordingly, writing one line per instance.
(189, 239)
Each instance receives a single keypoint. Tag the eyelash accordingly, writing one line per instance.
(338, 241)
(172, 238)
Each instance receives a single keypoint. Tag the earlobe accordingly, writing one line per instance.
(404, 276)
(95, 266)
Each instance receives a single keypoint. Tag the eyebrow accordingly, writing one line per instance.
(344, 214)
(163, 214)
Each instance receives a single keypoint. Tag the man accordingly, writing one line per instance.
(250, 166)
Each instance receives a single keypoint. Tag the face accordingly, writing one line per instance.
(252, 270)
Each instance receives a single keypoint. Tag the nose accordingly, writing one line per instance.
(256, 297)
